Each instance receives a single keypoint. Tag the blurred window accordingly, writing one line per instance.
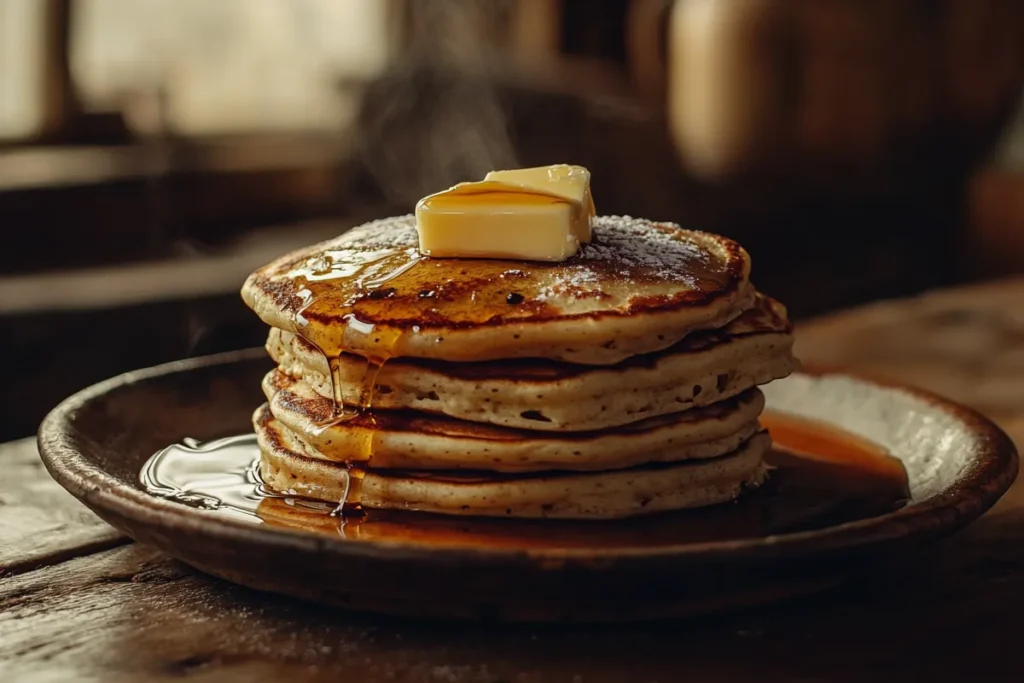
(199, 67)
(230, 65)
(21, 68)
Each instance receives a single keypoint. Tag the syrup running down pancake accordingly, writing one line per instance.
(616, 382)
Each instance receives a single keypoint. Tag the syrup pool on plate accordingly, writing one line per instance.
(821, 476)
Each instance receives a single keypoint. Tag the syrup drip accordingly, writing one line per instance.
(821, 477)
(351, 496)
(367, 275)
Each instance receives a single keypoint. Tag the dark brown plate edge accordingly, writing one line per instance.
(994, 469)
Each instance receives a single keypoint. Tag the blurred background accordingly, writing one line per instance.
(154, 152)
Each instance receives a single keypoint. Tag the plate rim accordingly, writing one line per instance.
(990, 474)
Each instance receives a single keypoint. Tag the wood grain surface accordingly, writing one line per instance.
(39, 523)
(75, 604)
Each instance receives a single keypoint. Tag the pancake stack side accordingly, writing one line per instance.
(620, 382)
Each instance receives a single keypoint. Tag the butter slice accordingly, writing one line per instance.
(534, 214)
(571, 183)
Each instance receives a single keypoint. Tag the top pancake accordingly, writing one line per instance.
(638, 287)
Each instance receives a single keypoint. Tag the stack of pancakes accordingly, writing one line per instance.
(619, 382)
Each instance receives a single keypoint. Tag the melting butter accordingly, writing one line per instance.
(536, 214)
(571, 183)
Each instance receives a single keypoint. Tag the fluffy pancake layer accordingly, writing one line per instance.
(285, 467)
(704, 368)
(638, 287)
(418, 441)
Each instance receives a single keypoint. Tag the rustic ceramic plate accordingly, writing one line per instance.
(95, 443)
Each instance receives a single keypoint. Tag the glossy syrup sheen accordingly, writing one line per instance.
(821, 477)
(375, 276)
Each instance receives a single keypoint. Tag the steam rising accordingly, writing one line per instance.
(437, 119)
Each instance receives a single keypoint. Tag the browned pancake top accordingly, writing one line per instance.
(376, 275)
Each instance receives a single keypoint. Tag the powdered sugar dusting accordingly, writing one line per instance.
(633, 249)
(398, 232)
(575, 281)
(635, 245)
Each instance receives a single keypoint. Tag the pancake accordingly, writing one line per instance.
(286, 468)
(409, 440)
(638, 287)
(705, 367)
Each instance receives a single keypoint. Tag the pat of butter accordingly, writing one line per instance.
(571, 183)
(534, 214)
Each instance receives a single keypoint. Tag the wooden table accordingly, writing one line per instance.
(79, 602)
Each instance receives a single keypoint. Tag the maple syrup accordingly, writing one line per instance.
(821, 476)
(364, 278)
